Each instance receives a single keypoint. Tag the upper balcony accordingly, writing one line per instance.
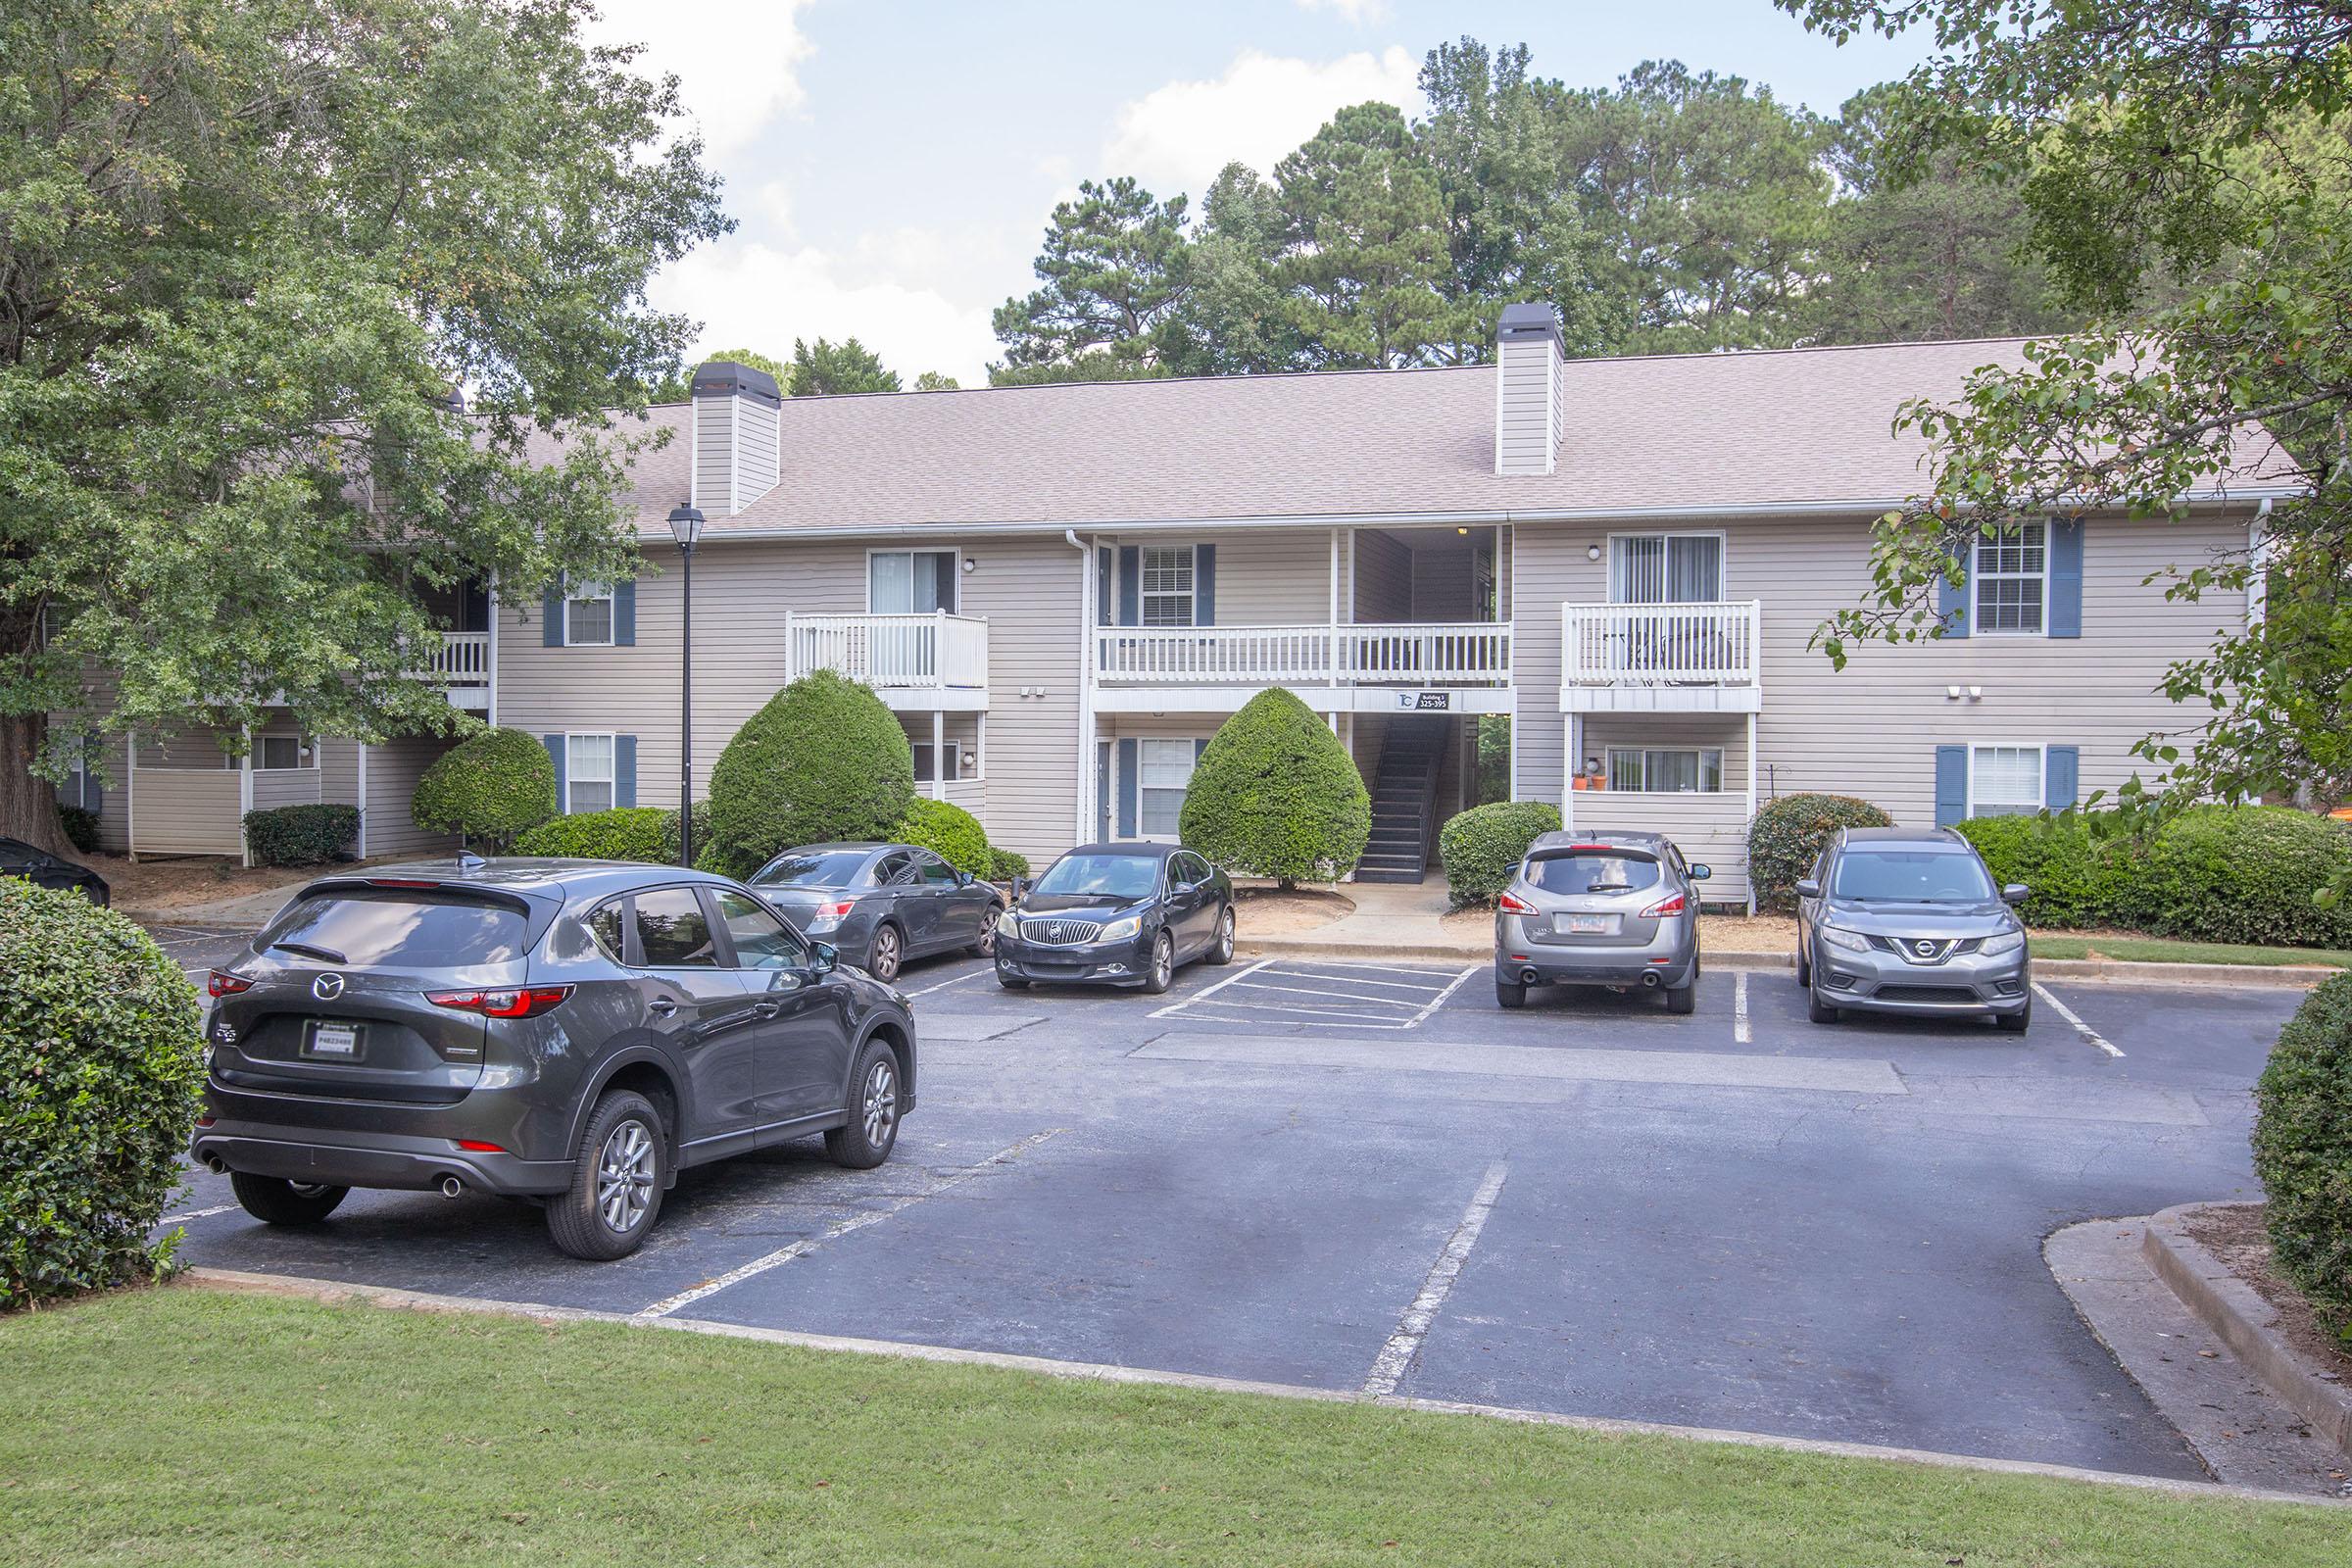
(1666, 658)
(462, 665)
(926, 663)
(1432, 667)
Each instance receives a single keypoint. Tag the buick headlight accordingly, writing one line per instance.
(1008, 924)
(1838, 936)
(2006, 941)
(1119, 930)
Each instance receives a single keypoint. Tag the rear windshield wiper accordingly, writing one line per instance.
(1609, 887)
(310, 950)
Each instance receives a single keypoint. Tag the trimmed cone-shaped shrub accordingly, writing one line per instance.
(1277, 795)
(952, 832)
(2303, 1150)
(100, 1080)
(1788, 836)
(490, 786)
(824, 759)
(1482, 847)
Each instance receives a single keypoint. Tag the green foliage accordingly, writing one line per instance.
(2076, 881)
(1006, 864)
(300, 835)
(1363, 282)
(2303, 1149)
(100, 1080)
(824, 759)
(1275, 794)
(1788, 836)
(642, 833)
(1482, 848)
(950, 831)
(1493, 775)
(490, 786)
(80, 827)
(822, 368)
(1110, 267)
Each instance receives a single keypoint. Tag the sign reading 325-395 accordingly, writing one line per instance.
(1425, 702)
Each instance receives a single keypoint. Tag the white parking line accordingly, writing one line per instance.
(1394, 985)
(1397, 1356)
(1740, 1034)
(952, 980)
(1439, 1001)
(855, 1222)
(197, 1213)
(2071, 1016)
(1312, 991)
(1228, 980)
(1370, 1020)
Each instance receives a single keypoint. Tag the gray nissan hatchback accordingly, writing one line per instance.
(569, 1031)
(1900, 919)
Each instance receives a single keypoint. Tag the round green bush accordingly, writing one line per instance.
(824, 760)
(490, 786)
(1482, 848)
(80, 827)
(2303, 1149)
(952, 832)
(643, 833)
(1006, 864)
(100, 1081)
(1275, 794)
(300, 835)
(1788, 836)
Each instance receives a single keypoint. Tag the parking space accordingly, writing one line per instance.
(1325, 994)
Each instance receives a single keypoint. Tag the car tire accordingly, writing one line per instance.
(1804, 967)
(986, 946)
(2018, 1021)
(1683, 1001)
(1162, 971)
(1818, 1010)
(1509, 994)
(617, 1179)
(885, 954)
(275, 1200)
(876, 1094)
(1220, 946)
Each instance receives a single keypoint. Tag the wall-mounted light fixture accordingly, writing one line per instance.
(1951, 693)
(972, 759)
(1592, 551)
(1976, 694)
(969, 564)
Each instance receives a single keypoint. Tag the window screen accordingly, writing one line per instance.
(588, 773)
(2012, 570)
(1167, 589)
(588, 614)
(1165, 772)
(2006, 781)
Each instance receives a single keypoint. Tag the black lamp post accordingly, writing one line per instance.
(686, 526)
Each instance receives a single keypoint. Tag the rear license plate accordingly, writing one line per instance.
(332, 1041)
(1585, 925)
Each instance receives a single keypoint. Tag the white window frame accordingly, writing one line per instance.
(571, 773)
(1723, 563)
(2041, 775)
(1192, 748)
(302, 744)
(1191, 593)
(955, 577)
(578, 594)
(1699, 765)
(1979, 576)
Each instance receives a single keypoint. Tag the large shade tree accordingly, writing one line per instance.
(247, 248)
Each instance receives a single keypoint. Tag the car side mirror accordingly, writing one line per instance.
(824, 958)
(1700, 870)
(1809, 887)
(2014, 893)
(963, 879)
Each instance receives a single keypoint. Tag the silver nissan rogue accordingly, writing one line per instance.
(1908, 920)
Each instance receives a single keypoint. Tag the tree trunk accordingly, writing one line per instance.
(27, 803)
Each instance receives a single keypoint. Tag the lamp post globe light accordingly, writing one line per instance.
(686, 526)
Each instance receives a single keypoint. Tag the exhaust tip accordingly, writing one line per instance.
(1649, 978)
(1527, 976)
(216, 1164)
(451, 1186)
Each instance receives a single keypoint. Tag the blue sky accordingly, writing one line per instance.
(890, 163)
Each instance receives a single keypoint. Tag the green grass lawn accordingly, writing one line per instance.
(184, 1426)
(2158, 950)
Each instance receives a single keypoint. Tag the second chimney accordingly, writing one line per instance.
(1527, 406)
(736, 411)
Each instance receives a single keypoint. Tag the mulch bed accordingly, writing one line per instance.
(2234, 1234)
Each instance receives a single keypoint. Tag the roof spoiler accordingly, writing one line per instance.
(1554, 852)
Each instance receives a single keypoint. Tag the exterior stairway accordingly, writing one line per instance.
(1405, 789)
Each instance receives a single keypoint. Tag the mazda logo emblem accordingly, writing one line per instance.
(1922, 945)
(327, 987)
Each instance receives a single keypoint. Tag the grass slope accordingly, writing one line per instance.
(179, 1426)
(2161, 949)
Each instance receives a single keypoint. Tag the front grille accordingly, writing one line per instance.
(1936, 951)
(1930, 994)
(1060, 933)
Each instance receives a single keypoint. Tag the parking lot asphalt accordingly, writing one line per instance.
(1353, 1176)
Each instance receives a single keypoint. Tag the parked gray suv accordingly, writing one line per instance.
(1908, 920)
(572, 1032)
(1608, 908)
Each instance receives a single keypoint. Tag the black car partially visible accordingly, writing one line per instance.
(45, 870)
(1117, 915)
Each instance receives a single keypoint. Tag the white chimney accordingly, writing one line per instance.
(1527, 390)
(736, 409)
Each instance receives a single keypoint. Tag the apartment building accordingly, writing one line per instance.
(1063, 591)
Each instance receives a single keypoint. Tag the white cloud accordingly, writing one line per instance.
(1359, 12)
(1176, 137)
(736, 64)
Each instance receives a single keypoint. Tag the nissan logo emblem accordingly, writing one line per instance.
(1922, 945)
(327, 987)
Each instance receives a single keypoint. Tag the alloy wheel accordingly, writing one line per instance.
(988, 932)
(625, 1177)
(881, 1104)
(884, 966)
(1225, 936)
(1163, 960)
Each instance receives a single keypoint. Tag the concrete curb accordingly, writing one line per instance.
(334, 1292)
(2236, 1311)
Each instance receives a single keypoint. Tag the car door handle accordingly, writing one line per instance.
(662, 1007)
(766, 1010)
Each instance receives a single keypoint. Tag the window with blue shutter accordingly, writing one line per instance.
(1204, 585)
(1952, 785)
(1951, 605)
(554, 752)
(624, 771)
(1128, 780)
(1131, 585)
(551, 609)
(2061, 774)
(624, 614)
(2066, 577)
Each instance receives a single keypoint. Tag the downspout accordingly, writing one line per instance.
(2258, 550)
(1086, 683)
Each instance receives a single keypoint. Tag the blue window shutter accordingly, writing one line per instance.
(1952, 785)
(1951, 606)
(1199, 747)
(1204, 585)
(1131, 585)
(1103, 789)
(1102, 591)
(1128, 789)
(624, 614)
(2061, 776)
(2066, 577)
(551, 617)
(624, 771)
(555, 751)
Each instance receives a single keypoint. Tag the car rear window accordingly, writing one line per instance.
(1597, 870)
(1911, 876)
(401, 929)
(826, 868)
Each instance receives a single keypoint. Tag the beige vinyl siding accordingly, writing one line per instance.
(1442, 582)
(1031, 592)
(1529, 411)
(273, 787)
(1281, 577)
(1383, 578)
(393, 769)
(189, 812)
(338, 771)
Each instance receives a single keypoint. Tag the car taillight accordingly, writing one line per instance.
(1513, 905)
(476, 1146)
(523, 1002)
(1672, 906)
(221, 983)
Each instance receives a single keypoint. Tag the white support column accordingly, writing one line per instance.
(130, 795)
(1572, 760)
(489, 702)
(980, 746)
(1335, 619)
(245, 795)
(939, 754)
(361, 803)
(1751, 803)
(1088, 785)
(2258, 561)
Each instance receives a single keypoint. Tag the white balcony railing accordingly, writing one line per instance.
(1659, 645)
(462, 660)
(898, 652)
(1469, 654)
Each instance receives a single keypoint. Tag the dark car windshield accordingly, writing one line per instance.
(1105, 876)
(1911, 876)
(399, 930)
(1593, 872)
(810, 869)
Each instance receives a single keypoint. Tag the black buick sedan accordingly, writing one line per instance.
(1119, 914)
(45, 870)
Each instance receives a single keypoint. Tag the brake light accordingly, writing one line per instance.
(1512, 904)
(833, 911)
(523, 1002)
(476, 1146)
(400, 882)
(1672, 906)
(221, 983)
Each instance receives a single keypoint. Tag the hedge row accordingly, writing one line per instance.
(1482, 848)
(300, 835)
(2303, 1150)
(2215, 873)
